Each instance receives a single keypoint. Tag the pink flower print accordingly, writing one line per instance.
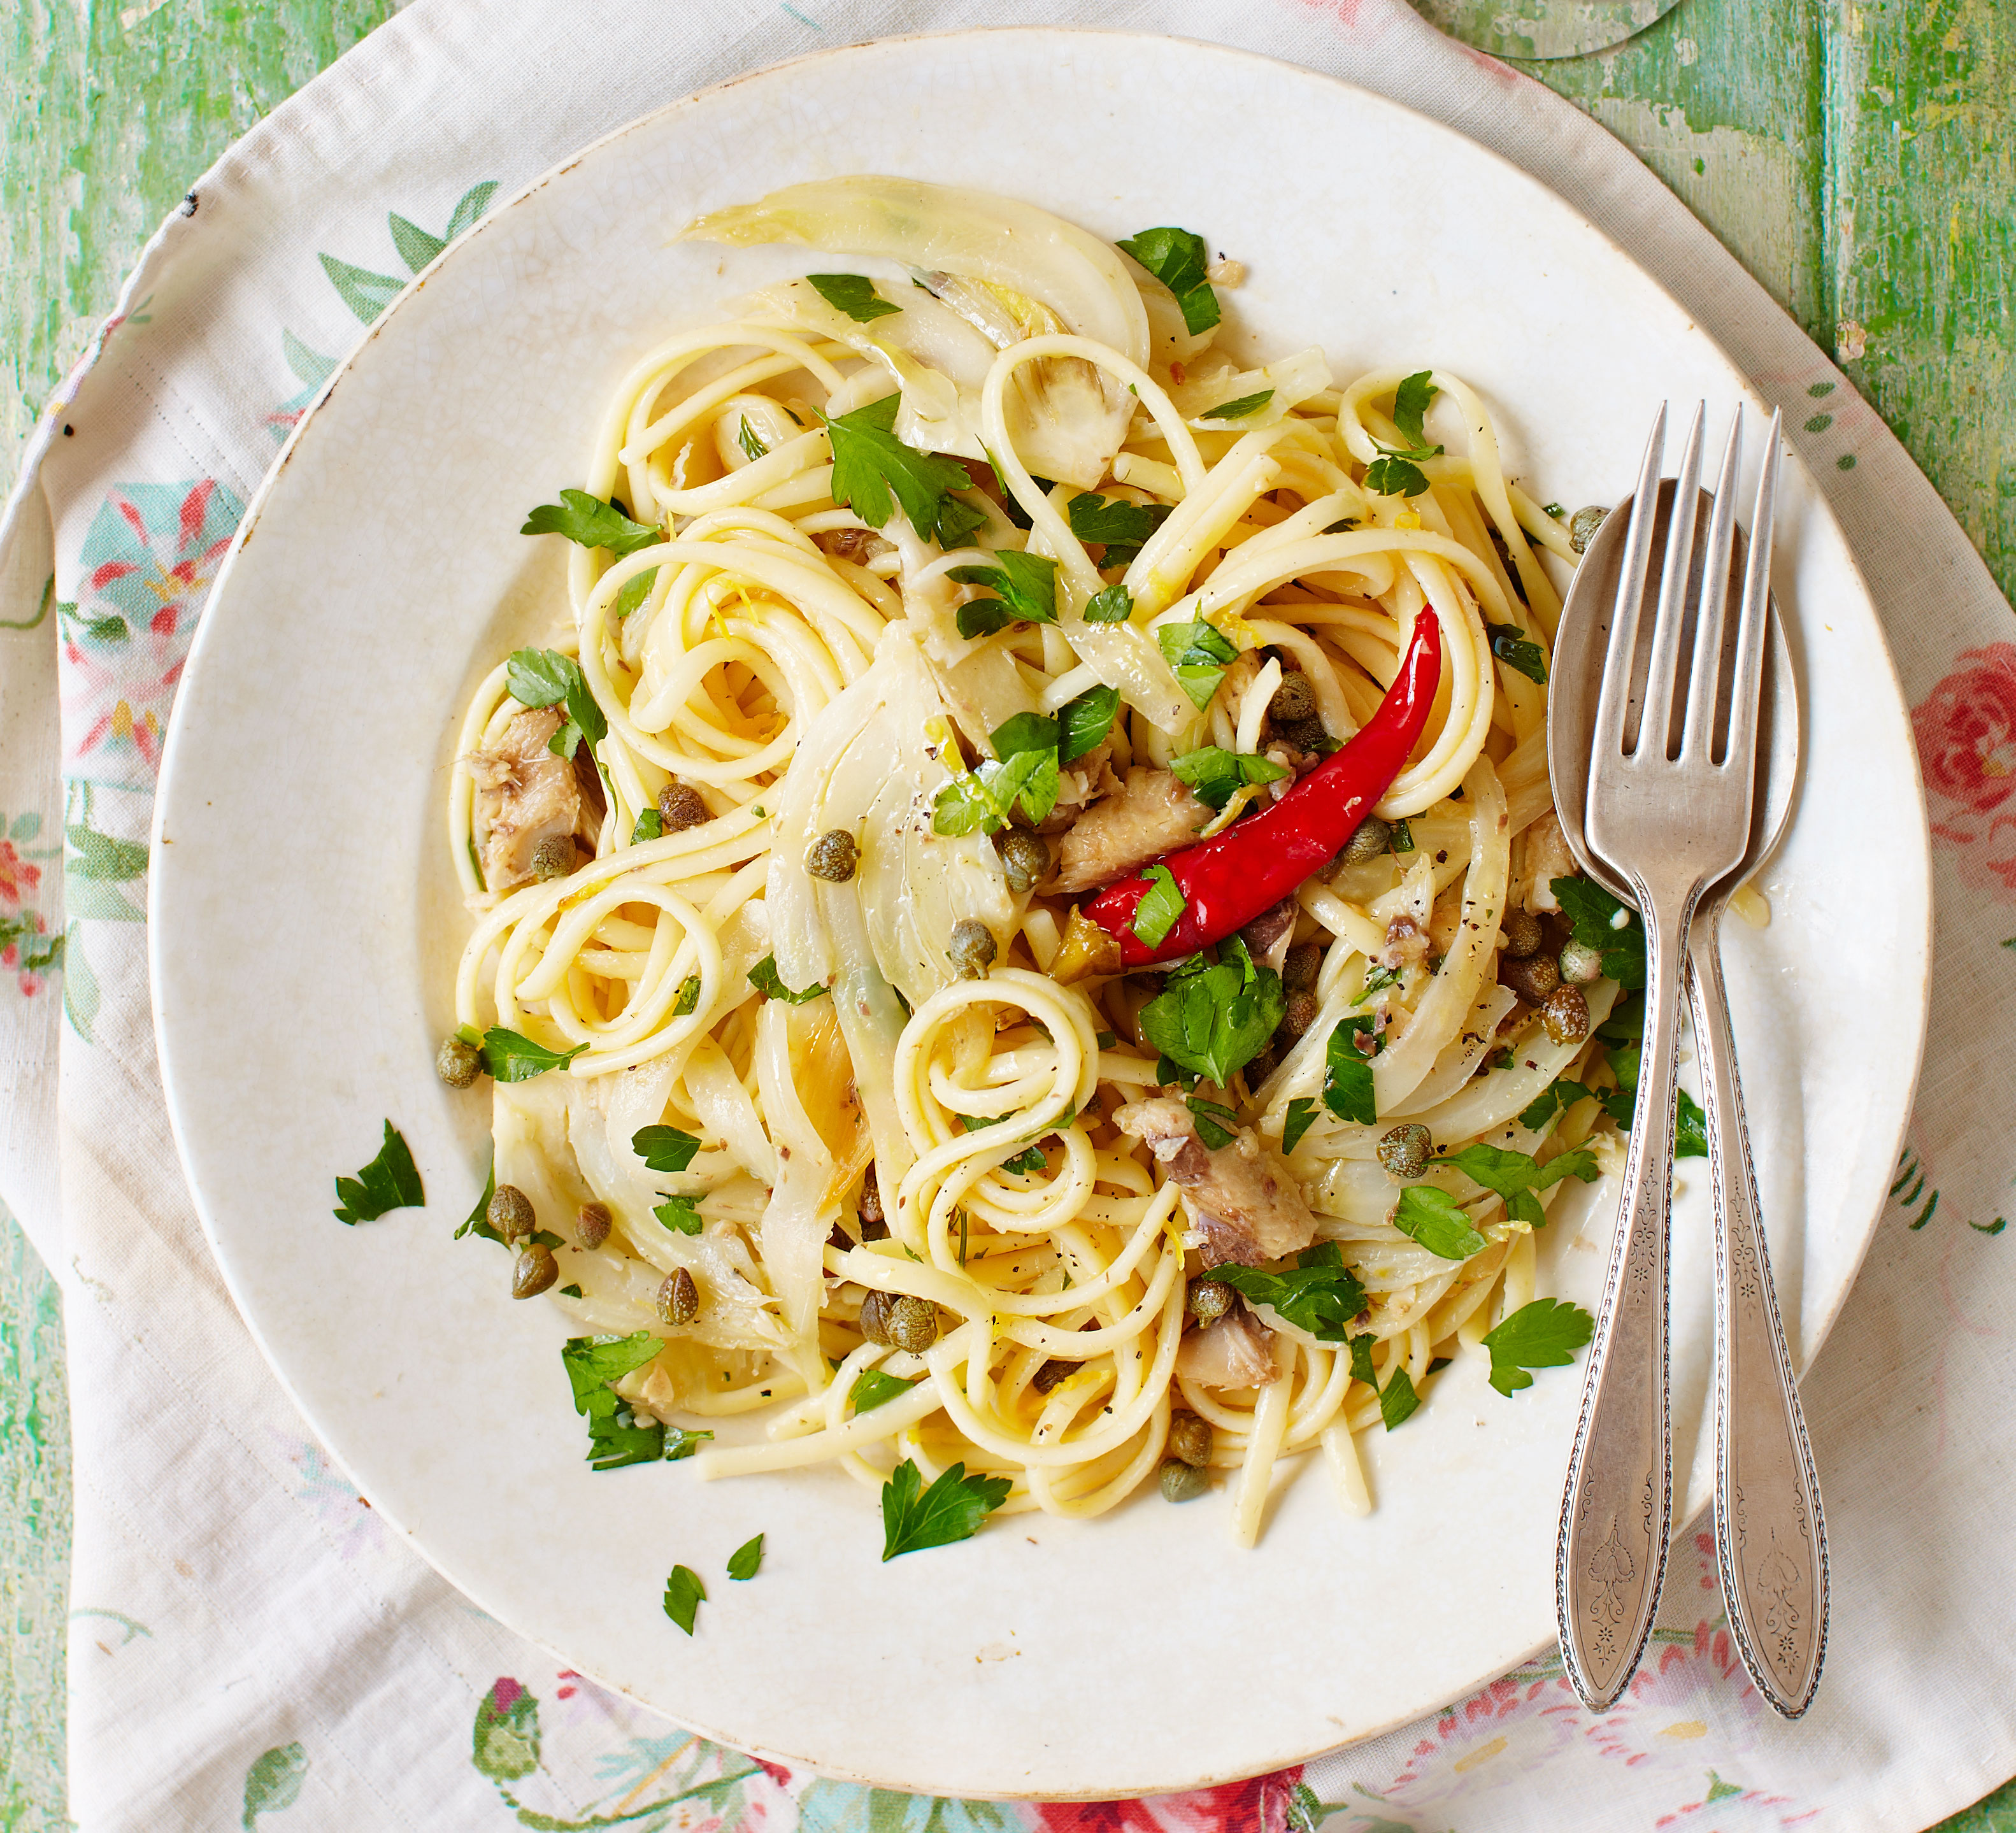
(1728, 1806)
(1966, 730)
(1259, 1805)
(145, 567)
(1682, 1690)
(1514, 1725)
(17, 877)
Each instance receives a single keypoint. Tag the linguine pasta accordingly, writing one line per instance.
(874, 1110)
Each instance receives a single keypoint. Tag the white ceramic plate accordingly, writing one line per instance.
(305, 924)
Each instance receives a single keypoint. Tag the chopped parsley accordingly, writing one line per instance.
(1557, 1097)
(1543, 1335)
(1317, 1294)
(1111, 604)
(545, 678)
(763, 977)
(478, 1221)
(1160, 908)
(1378, 982)
(953, 1508)
(1118, 526)
(684, 1595)
(1302, 1115)
(680, 1443)
(1397, 1399)
(570, 1291)
(1242, 408)
(1595, 914)
(510, 1056)
(1517, 651)
(1212, 1018)
(664, 1148)
(1516, 1176)
(874, 473)
(391, 1181)
(1024, 1162)
(1178, 258)
(1347, 1090)
(1216, 775)
(636, 590)
(650, 826)
(687, 1003)
(1026, 585)
(1084, 722)
(1216, 1124)
(1403, 837)
(747, 1560)
(593, 523)
(872, 1388)
(982, 800)
(679, 1214)
(854, 294)
(614, 1437)
(1690, 1128)
(1396, 472)
(1199, 655)
(1435, 1220)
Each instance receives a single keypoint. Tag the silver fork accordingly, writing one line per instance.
(1669, 811)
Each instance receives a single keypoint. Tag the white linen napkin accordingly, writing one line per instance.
(249, 1640)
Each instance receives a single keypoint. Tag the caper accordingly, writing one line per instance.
(1581, 963)
(1299, 972)
(1531, 979)
(1209, 1300)
(678, 1298)
(1295, 699)
(1373, 836)
(1583, 524)
(972, 949)
(510, 1213)
(874, 1224)
(1520, 932)
(680, 807)
(533, 1271)
(833, 856)
(1262, 1064)
(1404, 1150)
(1183, 1482)
(912, 1324)
(553, 857)
(458, 1063)
(1301, 1014)
(1189, 1438)
(591, 1224)
(875, 1318)
(1565, 1015)
(1024, 859)
(1306, 735)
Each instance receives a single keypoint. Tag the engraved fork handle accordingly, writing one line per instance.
(1770, 1539)
(1617, 1511)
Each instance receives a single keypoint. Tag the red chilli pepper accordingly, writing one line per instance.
(1229, 880)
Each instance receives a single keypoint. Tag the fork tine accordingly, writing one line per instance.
(1655, 721)
(1614, 696)
(1698, 738)
(1749, 678)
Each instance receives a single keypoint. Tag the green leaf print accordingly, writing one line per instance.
(506, 1733)
(80, 988)
(475, 201)
(416, 247)
(274, 1781)
(25, 827)
(309, 366)
(1719, 1790)
(99, 855)
(366, 294)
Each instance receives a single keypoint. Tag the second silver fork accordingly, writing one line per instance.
(1671, 780)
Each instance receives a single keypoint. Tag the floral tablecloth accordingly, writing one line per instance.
(251, 1641)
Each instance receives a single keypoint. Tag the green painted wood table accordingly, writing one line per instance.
(1855, 154)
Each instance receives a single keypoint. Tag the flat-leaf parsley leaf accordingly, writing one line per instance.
(684, 1595)
(1317, 1294)
(1178, 259)
(871, 466)
(1543, 1335)
(1435, 1220)
(664, 1148)
(953, 1508)
(614, 1437)
(854, 294)
(544, 677)
(510, 1056)
(391, 1181)
(745, 1560)
(1160, 908)
(764, 977)
(591, 522)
